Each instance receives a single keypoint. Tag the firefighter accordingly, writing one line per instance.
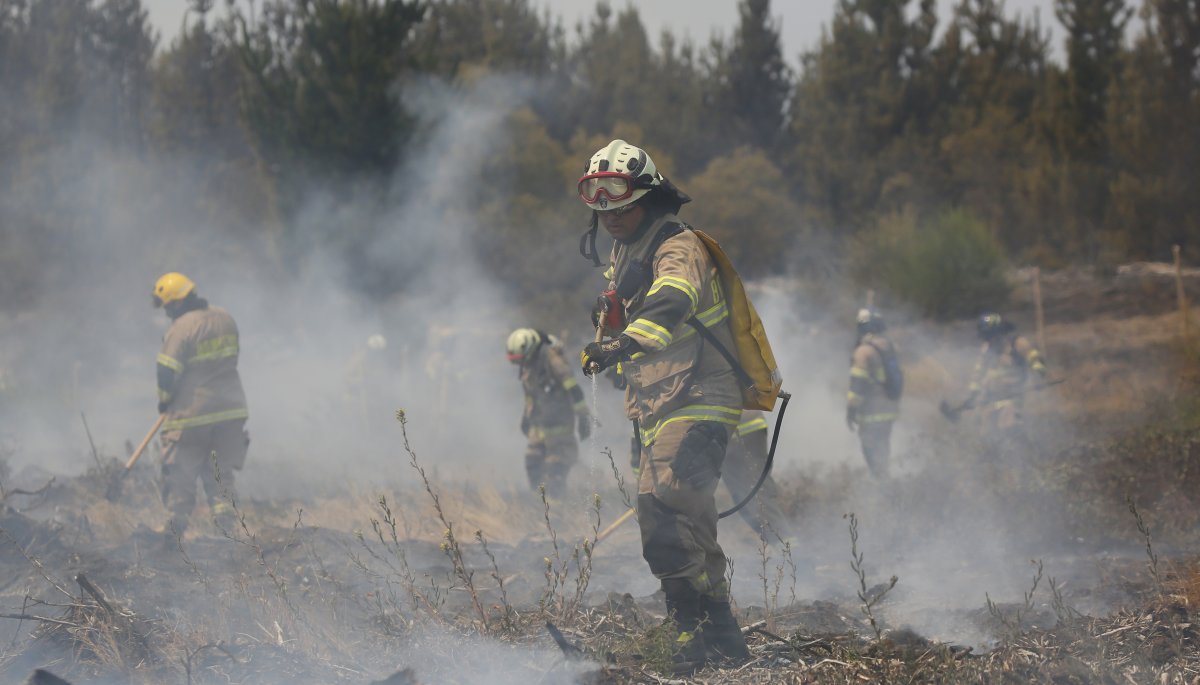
(997, 388)
(871, 405)
(200, 392)
(554, 409)
(681, 394)
(744, 464)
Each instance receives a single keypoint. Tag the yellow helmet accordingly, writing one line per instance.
(171, 288)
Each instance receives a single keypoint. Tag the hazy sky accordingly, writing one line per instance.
(802, 20)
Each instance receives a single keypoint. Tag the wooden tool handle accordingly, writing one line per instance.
(615, 525)
(137, 454)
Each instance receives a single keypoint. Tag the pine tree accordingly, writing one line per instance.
(754, 81)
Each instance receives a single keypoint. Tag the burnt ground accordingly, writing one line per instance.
(1071, 563)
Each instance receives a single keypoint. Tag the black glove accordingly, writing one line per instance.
(698, 461)
(852, 418)
(585, 426)
(524, 425)
(162, 407)
(598, 356)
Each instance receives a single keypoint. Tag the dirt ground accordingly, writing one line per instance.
(1069, 561)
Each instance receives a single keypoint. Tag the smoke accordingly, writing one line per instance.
(325, 367)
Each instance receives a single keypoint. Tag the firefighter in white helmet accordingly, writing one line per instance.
(554, 409)
(685, 404)
(873, 398)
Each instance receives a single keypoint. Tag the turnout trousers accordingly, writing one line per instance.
(549, 457)
(678, 519)
(188, 455)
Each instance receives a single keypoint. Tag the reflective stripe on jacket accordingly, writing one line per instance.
(198, 378)
(867, 377)
(1002, 369)
(552, 395)
(752, 422)
(677, 376)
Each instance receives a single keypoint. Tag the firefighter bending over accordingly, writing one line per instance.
(686, 403)
(873, 401)
(554, 407)
(201, 393)
(1001, 372)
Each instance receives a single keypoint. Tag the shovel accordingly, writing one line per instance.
(114, 487)
(952, 413)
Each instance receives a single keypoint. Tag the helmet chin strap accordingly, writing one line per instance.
(587, 242)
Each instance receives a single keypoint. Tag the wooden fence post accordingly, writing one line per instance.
(1039, 318)
(1180, 294)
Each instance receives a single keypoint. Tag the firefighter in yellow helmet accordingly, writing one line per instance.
(873, 400)
(682, 395)
(554, 409)
(200, 392)
(1001, 373)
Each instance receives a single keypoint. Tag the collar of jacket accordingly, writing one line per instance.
(638, 251)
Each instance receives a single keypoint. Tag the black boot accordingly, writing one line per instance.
(683, 607)
(722, 635)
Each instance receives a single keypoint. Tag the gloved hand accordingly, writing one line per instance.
(700, 454)
(524, 425)
(162, 407)
(598, 356)
(585, 426)
(852, 418)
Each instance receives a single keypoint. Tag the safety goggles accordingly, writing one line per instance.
(613, 184)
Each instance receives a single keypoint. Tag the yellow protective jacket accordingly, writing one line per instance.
(1001, 370)
(677, 376)
(197, 370)
(867, 377)
(552, 395)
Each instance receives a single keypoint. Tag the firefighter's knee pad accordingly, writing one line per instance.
(666, 542)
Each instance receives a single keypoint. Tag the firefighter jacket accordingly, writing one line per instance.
(197, 370)
(867, 377)
(1001, 370)
(676, 376)
(752, 422)
(552, 396)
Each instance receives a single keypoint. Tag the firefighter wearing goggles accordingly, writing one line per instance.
(554, 409)
(683, 399)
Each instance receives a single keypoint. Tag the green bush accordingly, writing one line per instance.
(947, 267)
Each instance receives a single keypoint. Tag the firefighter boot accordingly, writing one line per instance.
(722, 636)
(683, 606)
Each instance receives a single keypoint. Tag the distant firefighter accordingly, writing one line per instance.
(201, 394)
(554, 409)
(1001, 372)
(744, 462)
(876, 384)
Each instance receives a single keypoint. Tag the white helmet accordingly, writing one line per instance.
(522, 343)
(618, 174)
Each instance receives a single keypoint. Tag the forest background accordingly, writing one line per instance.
(916, 154)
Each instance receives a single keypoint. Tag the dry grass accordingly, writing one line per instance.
(368, 581)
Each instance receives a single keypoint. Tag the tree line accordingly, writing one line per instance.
(898, 130)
